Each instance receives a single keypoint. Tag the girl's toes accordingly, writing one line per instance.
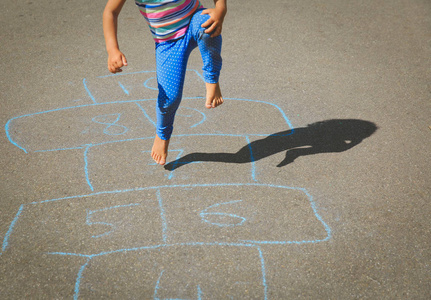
(208, 104)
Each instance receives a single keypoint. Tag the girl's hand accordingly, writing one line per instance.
(116, 60)
(215, 23)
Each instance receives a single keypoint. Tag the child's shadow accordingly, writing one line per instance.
(321, 137)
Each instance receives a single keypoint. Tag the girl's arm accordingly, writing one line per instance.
(217, 14)
(116, 58)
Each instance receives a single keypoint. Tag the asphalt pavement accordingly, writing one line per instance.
(312, 180)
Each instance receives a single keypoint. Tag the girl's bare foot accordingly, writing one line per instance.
(214, 97)
(160, 150)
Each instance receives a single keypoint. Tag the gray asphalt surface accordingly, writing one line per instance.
(311, 181)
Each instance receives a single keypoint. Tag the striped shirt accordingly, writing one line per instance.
(168, 19)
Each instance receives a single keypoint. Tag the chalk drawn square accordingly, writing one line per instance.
(235, 213)
(124, 165)
(176, 272)
(77, 127)
(137, 86)
(90, 224)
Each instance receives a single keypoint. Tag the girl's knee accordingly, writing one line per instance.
(169, 96)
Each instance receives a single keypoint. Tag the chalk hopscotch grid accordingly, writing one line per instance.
(246, 243)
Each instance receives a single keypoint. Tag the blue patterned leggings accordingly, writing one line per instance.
(171, 60)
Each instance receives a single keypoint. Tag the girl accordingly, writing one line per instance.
(177, 26)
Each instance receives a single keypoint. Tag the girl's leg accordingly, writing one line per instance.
(171, 61)
(210, 49)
